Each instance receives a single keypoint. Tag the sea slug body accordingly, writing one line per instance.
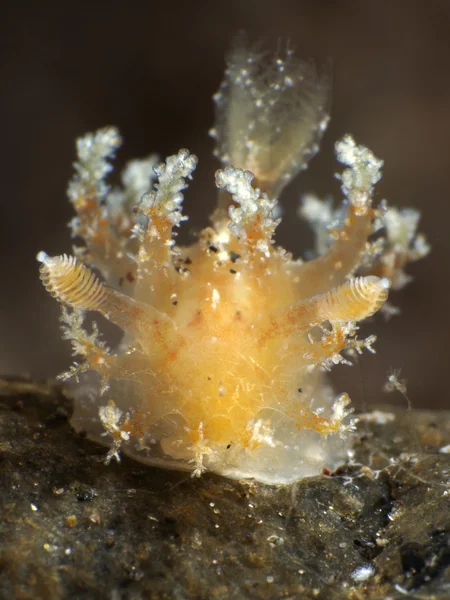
(226, 343)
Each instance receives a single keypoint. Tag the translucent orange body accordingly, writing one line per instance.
(226, 342)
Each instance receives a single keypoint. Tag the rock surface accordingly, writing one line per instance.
(72, 527)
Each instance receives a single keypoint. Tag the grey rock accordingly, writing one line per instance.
(72, 527)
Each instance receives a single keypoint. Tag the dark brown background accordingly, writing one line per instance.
(151, 68)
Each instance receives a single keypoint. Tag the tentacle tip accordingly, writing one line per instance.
(43, 257)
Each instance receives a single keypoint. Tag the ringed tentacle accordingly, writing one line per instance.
(74, 284)
(71, 282)
(355, 300)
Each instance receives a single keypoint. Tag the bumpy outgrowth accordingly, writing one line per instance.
(226, 343)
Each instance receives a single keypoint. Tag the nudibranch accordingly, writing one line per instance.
(222, 365)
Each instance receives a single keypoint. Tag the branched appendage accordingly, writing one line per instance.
(322, 219)
(200, 449)
(116, 425)
(340, 412)
(162, 209)
(251, 220)
(402, 245)
(88, 193)
(328, 351)
(394, 383)
(227, 341)
(104, 218)
(260, 433)
(95, 353)
(349, 238)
